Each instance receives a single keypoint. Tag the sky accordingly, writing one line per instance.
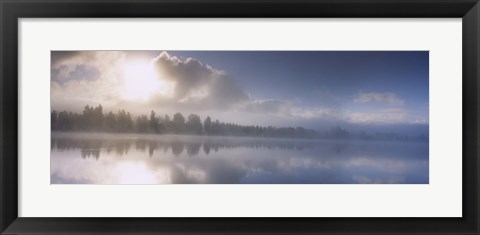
(386, 90)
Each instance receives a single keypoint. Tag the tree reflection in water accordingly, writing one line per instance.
(93, 147)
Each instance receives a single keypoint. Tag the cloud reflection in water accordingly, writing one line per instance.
(150, 159)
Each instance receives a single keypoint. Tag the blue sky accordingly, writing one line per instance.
(310, 88)
(305, 74)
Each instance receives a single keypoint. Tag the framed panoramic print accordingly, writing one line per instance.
(239, 117)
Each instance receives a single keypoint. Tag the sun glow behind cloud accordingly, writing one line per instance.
(141, 81)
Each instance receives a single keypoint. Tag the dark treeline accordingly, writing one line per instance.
(93, 119)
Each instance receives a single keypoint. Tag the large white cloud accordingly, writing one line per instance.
(196, 83)
(96, 77)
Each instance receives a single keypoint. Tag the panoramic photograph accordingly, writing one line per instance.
(239, 117)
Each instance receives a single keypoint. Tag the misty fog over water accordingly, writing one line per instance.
(89, 158)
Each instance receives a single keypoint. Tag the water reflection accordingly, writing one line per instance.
(149, 159)
(92, 147)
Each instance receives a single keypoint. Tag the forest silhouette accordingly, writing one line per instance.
(92, 119)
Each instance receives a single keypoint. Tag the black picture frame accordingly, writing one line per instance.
(12, 10)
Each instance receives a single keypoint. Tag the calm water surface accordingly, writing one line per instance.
(168, 159)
